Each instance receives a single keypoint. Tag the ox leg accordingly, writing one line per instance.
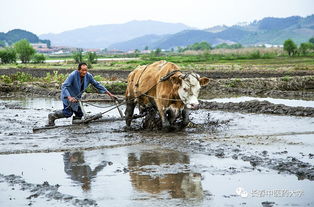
(171, 116)
(130, 105)
(185, 117)
(164, 119)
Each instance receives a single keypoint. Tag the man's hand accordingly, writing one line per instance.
(114, 97)
(72, 99)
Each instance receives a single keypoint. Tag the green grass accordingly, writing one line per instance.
(188, 62)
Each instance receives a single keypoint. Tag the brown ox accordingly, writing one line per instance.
(162, 85)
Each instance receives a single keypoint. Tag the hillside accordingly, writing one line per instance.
(17, 34)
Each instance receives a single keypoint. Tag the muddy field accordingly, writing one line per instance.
(225, 158)
(250, 144)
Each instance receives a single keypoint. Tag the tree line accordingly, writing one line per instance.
(293, 50)
(22, 50)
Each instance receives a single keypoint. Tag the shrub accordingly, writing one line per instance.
(305, 47)
(22, 77)
(55, 77)
(91, 57)
(8, 55)
(39, 58)
(78, 56)
(6, 79)
(255, 55)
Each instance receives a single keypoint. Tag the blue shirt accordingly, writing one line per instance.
(73, 86)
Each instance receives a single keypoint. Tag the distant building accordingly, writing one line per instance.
(39, 45)
(146, 51)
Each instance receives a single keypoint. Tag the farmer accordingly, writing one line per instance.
(72, 90)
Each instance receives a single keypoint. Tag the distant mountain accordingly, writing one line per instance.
(139, 43)
(18, 34)
(269, 30)
(102, 36)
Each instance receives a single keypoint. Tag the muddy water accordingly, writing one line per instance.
(226, 159)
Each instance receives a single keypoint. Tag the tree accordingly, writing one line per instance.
(304, 47)
(227, 46)
(8, 55)
(91, 57)
(290, 47)
(157, 52)
(39, 58)
(311, 40)
(78, 56)
(24, 50)
(146, 48)
(199, 46)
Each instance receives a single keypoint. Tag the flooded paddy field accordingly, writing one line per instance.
(222, 159)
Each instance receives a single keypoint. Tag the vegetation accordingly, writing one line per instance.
(290, 47)
(24, 50)
(2, 43)
(7, 55)
(78, 56)
(19, 76)
(199, 46)
(91, 58)
(157, 52)
(25, 77)
(55, 77)
(228, 46)
(305, 47)
(39, 58)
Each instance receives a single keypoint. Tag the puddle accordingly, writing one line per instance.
(145, 175)
(287, 102)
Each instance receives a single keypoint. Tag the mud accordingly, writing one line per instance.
(44, 190)
(123, 74)
(255, 106)
(223, 158)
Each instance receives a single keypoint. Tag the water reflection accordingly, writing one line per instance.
(179, 182)
(76, 167)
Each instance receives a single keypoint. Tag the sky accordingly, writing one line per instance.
(56, 16)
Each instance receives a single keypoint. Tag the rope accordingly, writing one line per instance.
(97, 106)
(168, 99)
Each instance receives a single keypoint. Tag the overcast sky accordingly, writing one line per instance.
(55, 16)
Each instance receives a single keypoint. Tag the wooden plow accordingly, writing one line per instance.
(89, 118)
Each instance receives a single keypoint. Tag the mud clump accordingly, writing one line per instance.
(47, 190)
(255, 106)
(291, 165)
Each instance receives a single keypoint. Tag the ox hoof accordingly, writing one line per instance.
(127, 128)
(184, 124)
(168, 128)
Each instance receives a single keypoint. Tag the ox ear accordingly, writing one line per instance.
(176, 79)
(204, 81)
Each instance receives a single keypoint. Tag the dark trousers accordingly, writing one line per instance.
(68, 112)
